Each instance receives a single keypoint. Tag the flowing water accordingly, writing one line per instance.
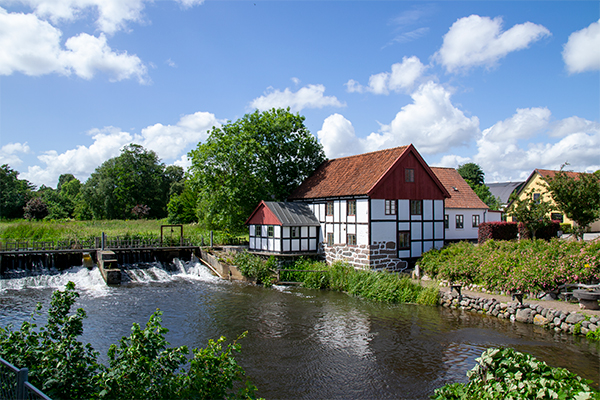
(301, 343)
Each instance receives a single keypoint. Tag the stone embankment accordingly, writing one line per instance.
(559, 320)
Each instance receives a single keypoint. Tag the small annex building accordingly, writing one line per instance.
(283, 228)
(376, 210)
(464, 209)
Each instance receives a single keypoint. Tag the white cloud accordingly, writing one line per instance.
(9, 153)
(479, 41)
(402, 78)
(81, 161)
(310, 96)
(168, 141)
(88, 54)
(582, 50)
(431, 123)
(513, 148)
(112, 15)
(32, 46)
(452, 161)
(338, 137)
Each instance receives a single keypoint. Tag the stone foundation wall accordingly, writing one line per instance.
(379, 255)
(559, 321)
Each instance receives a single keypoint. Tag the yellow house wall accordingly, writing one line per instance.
(537, 184)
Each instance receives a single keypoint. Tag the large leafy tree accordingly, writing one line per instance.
(578, 197)
(134, 178)
(261, 156)
(475, 177)
(14, 193)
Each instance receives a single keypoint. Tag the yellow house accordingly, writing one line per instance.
(536, 184)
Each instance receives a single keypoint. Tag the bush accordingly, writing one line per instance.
(525, 265)
(497, 231)
(255, 267)
(508, 374)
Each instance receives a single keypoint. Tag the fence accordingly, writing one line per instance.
(14, 384)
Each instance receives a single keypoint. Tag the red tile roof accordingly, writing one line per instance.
(545, 173)
(348, 176)
(463, 196)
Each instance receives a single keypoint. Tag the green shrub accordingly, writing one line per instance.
(255, 267)
(508, 374)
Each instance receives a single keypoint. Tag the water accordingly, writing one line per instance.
(301, 343)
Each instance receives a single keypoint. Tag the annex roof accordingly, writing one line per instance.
(503, 190)
(461, 194)
(356, 175)
(285, 214)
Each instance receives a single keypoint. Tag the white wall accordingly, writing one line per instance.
(468, 232)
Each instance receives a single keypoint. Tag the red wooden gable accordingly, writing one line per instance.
(393, 185)
(262, 215)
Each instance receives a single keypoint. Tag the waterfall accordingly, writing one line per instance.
(91, 279)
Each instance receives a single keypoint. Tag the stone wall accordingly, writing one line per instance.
(379, 255)
(559, 321)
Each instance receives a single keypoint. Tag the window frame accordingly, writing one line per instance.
(350, 236)
(413, 203)
(257, 230)
(446, 221)
(405, 241)
(295, 232)
(459, 221)
(351, 208)
(476, 220)
(409, 175)
(330, 240)
(270, 231)
(390, 207)
(329, 208)
(557, 217)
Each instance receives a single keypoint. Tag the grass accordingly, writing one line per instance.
(22, 230)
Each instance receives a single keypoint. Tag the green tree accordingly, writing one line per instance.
(475, 177)
(182, 206)
(36, 209)
(261, 156)
(14, 193)
(532, 213)
(577, 197)
(134, 178)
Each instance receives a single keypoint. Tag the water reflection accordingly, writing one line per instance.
(307, 344)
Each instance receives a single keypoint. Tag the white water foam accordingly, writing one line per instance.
(91, 280)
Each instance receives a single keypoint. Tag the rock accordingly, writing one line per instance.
(512, 317)
(564, 326)
(584, 331)
(574, 318)
(592, 327)
(540, 320)
(594, 320)
(557, 329)
(523, 315)
(503, 306)
(585, 324)
(557, 321)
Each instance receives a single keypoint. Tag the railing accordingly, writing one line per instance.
(94, 243)
(14, 384)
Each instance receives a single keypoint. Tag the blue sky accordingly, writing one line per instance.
(512, 86)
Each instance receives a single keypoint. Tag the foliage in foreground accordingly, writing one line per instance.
(141, 366)
(525, 265)
(508, 374)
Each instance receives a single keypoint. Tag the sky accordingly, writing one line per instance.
(509, 85)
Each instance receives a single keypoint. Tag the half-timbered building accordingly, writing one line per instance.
(376, 210)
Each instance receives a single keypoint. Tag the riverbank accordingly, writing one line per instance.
(560, 316)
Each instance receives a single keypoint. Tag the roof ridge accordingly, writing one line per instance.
(370, 152)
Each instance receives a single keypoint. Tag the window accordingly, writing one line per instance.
(295, 232)
(409, 175)
(257, 230)
(446, 221)
(390, 207)
(330, 239)
(460, 221)
(557, 217)
(270, 231)
(351, 210)
(329, 208)
(403, 240)
(536, 198)
(475, 221)
(351, 239)
(416, 207)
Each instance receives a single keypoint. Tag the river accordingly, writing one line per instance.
(301, 343)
